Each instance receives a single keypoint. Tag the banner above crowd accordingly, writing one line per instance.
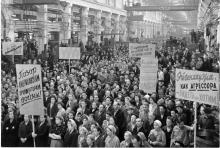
(141, 50)
(12, 48)
(198, 86)
(69, 53)
(30, 93)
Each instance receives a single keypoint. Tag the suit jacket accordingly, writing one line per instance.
(71, 139)
(120, 121)
(162, 119)
(10, 133)
(52, 112)
(99, 142)
(100, 117)
(136, 131)
(42, 132)
(129, 127)
(25, 131)
(110, 109)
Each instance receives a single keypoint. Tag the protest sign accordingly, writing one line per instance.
(30, 89)
(148, 74)
(198, 86)
(69, 53)
(12, 48)
(141, 50)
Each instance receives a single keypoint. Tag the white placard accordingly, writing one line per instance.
(12, 48)
(141, 50)
(69, 52)
(198, 86)
(29, 81)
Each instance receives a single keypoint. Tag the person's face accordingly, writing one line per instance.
(107, 116)
(69, 126)
(42, 119)
(70, 116)
(109, 132)
(172, 113)
(59, 106)
(52, 100)
(58, 121)
(135, 143)
(95, 131)
(85, 121)
(115, 105)
(11, 115)
(181, 124)
(91, 98)
(138, 122)
(89, 141)
(94, 105)
(101, 107)
(83, 104)
(133, 118)
(108, 101)
(202, 111)
(26, 118)
(162, 110)
(168, 122)
(111, 121)
(96, 98)
(156, 126)
(179, 109)
(127, 137)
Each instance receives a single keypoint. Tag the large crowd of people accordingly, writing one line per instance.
(96, 102)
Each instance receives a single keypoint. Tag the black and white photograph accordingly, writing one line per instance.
(110, 73)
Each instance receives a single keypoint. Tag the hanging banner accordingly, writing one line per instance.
(141, 50)
(198, 86)
(69, 53)
(12, 48)
(30, 93)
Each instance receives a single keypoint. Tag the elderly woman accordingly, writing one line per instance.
(157, 137)
(71, 136)
(111, 139)
(127, 142)
(57, 132)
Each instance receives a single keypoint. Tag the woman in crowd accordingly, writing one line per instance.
(111, 139)
(90, 140)
(83, 132)
(127, 142)
(143, 138)
(168, 129)
(71, 136)
(10, 131)
(152, 109)
(52, 109)
(24, 133)
(157, 137)
(42, 132)
(57, 132)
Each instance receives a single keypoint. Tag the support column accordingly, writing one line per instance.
(98, 21)
(84, 25)
(108, 25)
(42, 17)
(117, 27)
(67, 21)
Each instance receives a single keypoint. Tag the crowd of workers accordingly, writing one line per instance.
(96, 102)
